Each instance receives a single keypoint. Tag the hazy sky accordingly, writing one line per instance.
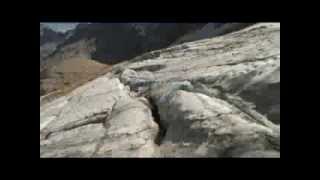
(62, 27)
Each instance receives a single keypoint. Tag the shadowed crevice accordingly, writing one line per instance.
(156, 117)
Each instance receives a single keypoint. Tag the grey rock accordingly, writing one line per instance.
(97, 119)
(244, 63)
(216, 97)
(211, 30)
(49, 40)
(263, 154)
(193, 119)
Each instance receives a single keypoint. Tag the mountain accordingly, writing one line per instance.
(47, 35)
(213, 97)
(104, 43)
(211, 30)
(111, 43)
(115, 42)
(49, 40)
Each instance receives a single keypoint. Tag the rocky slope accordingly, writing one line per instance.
(211, 30)
(111, 43)
(100, 43)
(49, 40)
(217, 97)
(47, 35)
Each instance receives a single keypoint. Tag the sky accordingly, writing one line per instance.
(61, 27)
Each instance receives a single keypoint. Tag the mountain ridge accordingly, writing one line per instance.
(214, 97)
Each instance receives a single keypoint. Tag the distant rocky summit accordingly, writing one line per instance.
(98, 43)
(212, 96)
(49, 40)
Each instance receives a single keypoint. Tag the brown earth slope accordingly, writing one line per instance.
(69, 74)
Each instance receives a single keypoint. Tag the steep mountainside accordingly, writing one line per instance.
(107, 43)
(211, 30)
(114, 42)
(111, 43)
(216, 97)
(49, 40)
(47, 35)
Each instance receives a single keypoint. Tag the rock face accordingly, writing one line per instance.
(112, 43)
(99, 43)
(99, 119)
(211, 30)
(47, 35)
(217, 97)
(96, 45)
(49, 40)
